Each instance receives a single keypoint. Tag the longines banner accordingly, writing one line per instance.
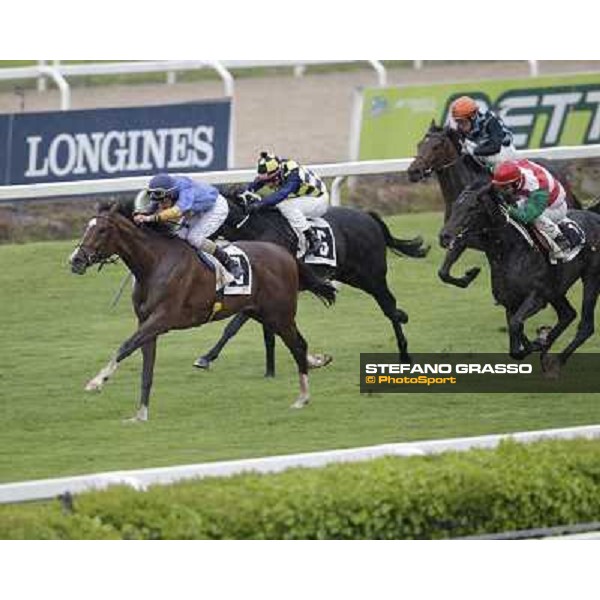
(116, 142)
(542, 112)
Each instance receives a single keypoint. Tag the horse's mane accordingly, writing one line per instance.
(231, 191)
(123, 207)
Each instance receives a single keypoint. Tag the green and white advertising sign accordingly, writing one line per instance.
(541, 112)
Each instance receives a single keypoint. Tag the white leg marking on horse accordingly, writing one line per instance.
(318, 361)
(140, 417)
(304, 397)
(95, 385)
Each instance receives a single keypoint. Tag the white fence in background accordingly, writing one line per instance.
(141, 479)
(337, 171)
(59, 72)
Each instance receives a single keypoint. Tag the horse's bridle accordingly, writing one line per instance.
(429, 171)
(94, 258)
(465, 231)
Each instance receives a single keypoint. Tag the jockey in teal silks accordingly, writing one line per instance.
(484, 135)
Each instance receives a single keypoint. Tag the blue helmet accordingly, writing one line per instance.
(162, 186)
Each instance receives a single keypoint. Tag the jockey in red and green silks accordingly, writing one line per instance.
(536, 197)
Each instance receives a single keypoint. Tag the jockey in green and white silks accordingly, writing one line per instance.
(536, 198)
(484, 134)
(197, 209)
(295, 191)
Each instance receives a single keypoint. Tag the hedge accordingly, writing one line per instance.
(514, 487)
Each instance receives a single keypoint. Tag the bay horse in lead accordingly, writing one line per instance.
(175, 290)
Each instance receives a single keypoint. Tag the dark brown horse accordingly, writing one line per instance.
(440, 153)
(175, 290)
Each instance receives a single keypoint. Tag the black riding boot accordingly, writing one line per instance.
(562, 242)
(231, 265)
(314, 242)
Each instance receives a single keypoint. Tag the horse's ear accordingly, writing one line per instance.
(104, 206)
(433, 125)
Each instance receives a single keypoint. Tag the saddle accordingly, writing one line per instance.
(326, 255)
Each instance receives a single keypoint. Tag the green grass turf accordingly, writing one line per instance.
(57, 331)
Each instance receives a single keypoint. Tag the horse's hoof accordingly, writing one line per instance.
(550, 366)
(94, 386)
(402, 317)
(300, 403)
(202, 363)
(542, 335)
(318, 361)
(473, 273)
(269, 375)
(134, 420)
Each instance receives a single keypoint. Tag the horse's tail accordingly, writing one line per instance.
(414, 247)
(312, 283)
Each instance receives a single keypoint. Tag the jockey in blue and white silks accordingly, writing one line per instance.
(198, 208)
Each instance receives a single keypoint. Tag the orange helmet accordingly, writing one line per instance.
(464, 108)
(506, 173)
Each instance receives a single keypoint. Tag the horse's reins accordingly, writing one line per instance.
(462, 234)
(243, 222)
(91, 259)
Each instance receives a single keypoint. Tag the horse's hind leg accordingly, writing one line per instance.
(566, 315)
(520, 346)
(398, 317)
(591, 289)
(269, 338)
(203, 362)
(297, 345)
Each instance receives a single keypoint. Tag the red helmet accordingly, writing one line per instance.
(464, 108)
(506, 173)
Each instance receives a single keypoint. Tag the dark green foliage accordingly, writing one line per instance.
(452, 495)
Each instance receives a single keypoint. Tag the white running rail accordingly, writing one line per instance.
(337, 171)
(60, 72)
(141, 479)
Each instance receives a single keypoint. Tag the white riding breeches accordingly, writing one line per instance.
(506, 153)
(548, 221)
(297, 210)
(198, 228)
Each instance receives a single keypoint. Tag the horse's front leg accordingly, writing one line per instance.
(203, 362)
(145, 335)
(452, 257)
(148, 360)
(520, 346)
